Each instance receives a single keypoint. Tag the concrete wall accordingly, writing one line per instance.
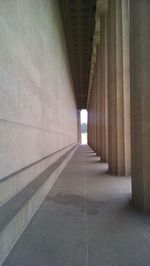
(37, 103)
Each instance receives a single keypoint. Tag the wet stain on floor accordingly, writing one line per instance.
(91, 207)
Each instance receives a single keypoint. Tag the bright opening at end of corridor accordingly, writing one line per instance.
(83, 115)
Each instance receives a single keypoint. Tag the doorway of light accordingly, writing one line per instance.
(83, 115)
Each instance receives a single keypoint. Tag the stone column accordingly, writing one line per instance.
(126, 85)
(98, 125)
(104, 89)
(78, 127)
(89, 127)
(118, 88)
(115, 89)
(94, 111)
(101, 8)
(140, 102)
(96, 43)
(94, 96)
(91, 115)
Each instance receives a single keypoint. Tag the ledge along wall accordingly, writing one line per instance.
(38, 114)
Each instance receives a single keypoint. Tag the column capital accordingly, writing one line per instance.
(96, 37)
(101, 7)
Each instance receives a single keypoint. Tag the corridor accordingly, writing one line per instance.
(86, 220)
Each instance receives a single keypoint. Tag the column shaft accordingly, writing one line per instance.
(89, 125)
(118, 88)
(104, 90)
(140, 102)
(126, 85)
(93, 97)
(92, 116)
(98, 126)
(115, 89)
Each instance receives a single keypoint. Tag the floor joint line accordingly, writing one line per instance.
(85, 216)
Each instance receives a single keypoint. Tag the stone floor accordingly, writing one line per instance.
(86, 220)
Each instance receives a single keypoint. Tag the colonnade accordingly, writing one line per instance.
(119, 92)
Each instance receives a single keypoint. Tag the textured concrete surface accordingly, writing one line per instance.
(86, 219)
(35, 82)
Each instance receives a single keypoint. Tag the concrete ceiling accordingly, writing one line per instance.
(79, 21)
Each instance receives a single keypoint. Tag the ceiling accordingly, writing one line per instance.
(79, 22)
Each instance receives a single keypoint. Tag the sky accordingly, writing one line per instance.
(83, 116)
